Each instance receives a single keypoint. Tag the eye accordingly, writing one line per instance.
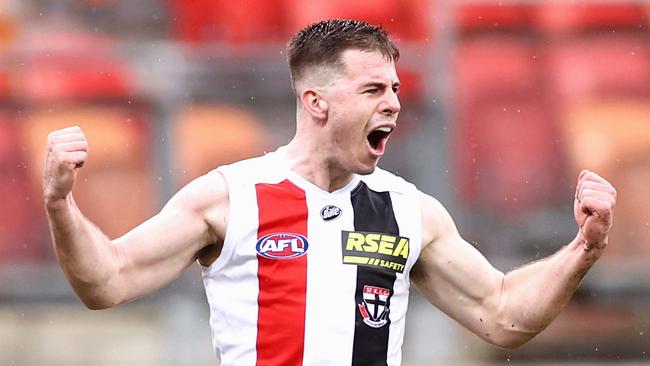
(372, 91)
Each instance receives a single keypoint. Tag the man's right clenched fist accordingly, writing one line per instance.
(66, 151)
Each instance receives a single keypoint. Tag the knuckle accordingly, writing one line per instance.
(57, 148)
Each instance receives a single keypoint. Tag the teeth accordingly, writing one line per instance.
(385, 129)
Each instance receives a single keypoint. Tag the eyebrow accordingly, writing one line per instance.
(378, 84)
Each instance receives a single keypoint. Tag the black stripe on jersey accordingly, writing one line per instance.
(373, 211)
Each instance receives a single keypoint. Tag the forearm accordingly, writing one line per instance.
(532, 296)
(85, 254)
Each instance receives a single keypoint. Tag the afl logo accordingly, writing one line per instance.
(330, 212)
(282, 246)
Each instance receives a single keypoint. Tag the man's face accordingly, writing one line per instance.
(363, 109)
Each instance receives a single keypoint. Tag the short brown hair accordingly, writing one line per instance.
(322, 44)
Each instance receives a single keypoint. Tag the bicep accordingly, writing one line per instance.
(157, 251)
(451, 273)
(170, 238)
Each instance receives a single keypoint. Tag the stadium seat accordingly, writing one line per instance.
(4, 83)
(8, 25)
(492, 63)
(211, 135)
(23, 235)
(600, 66)
(504, 135)
(506, 155)
(236, 22)
(411, 83)
(116, 189)
(571, 18)
(492, 16)
(611, 137)
(71, 66)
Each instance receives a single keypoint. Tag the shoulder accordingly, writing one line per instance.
(436, 220)
(202, 193)
(206, 199)
(253, 170)
(262, 163)
(382, 180)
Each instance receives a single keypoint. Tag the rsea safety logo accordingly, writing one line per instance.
(282, 246)
(379, 250)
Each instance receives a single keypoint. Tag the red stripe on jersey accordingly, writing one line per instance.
(282, 282)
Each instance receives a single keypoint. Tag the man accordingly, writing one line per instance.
(307, 252)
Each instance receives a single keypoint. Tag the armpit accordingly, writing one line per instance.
(209, 254)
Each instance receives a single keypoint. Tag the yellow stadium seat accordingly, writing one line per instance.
(115, 188)
(211, 135)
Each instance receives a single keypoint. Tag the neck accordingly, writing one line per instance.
(311, 161)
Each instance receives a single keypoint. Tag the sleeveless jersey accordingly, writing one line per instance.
(309, 277)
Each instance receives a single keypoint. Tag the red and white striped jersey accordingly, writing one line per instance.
(309, 277)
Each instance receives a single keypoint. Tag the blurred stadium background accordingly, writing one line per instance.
(503, 103)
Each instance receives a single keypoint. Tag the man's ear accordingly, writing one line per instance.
(313, 102)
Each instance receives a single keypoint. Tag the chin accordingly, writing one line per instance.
(365, 170)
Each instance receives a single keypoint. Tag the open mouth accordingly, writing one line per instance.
(378, 136)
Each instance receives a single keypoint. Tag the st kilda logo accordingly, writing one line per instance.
(282, 246)
(375, 306)
(330, 212)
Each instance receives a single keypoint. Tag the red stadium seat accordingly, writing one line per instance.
(601, 66)
(504, 140)
(116, 189)
(68, 66)
(191, 20)
(506, 155)
(411, 82)
(22, 232)
(231, 21)
(494, 63)
(493, 16)
(556, 17)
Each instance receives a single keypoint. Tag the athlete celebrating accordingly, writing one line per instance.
(312, 247)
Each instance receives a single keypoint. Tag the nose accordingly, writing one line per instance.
(391, 105)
